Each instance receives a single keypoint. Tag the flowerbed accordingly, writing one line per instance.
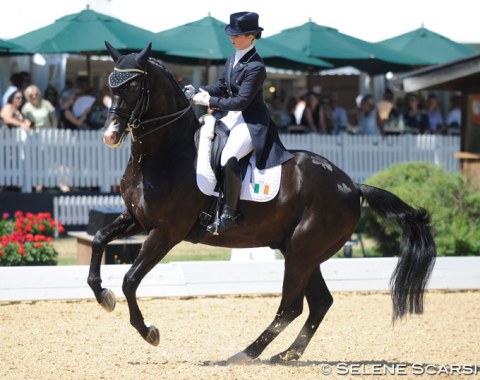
(26, 239)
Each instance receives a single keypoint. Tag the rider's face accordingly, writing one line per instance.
(242, 41)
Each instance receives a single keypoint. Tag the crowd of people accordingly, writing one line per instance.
(79, 107)
(316, 112)
(75, 107)
(310, 113)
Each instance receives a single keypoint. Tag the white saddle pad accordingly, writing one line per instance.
(258, 185)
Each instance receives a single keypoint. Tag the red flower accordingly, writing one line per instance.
(38, 245)
(5, 215)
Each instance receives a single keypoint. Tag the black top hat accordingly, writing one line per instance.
(243, 23)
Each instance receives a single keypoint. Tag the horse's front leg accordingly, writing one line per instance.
(123, 226)
(153, 250)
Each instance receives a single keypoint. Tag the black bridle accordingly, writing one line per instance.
(142, 103)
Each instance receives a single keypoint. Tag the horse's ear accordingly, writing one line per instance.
(114, 53)
(143, 56)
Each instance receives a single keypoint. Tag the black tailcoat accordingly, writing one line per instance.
(240, 88)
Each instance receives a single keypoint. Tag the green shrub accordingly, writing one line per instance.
(452, 202)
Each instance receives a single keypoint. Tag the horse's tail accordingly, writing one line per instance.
(417, 249)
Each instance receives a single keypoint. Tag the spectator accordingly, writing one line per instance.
(386, 108)
(39, 111)
(413, 116)
(435, 119)
(290, 109)
(278, 114)
(313, 115)
(18, 81)
(12, 112)
(336, 116)
(83, 100)
(51, 94)
(26, 80)
(454, 117)
(15, 84)
(98, 113)
(368, 118)
(299, 109)
(67, 118)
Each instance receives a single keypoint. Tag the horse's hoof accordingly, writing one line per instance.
(238, 359)
(153, 336)
(108, 300)
(285, 356)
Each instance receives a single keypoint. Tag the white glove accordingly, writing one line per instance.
(189, 91)
(202, 98)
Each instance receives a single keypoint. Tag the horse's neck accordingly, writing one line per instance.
(160, 137)
(175, 140)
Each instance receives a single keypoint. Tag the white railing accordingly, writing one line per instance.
(80, 159)
(54, 157)
(362, 156)
(74, 209)
(187, 279)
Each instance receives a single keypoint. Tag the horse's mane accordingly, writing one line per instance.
(162, 67)
(155, 62)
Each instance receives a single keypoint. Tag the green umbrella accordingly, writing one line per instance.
(204, 41)
(343, 50)
(84, 32)
(429, 46)
(10, 48)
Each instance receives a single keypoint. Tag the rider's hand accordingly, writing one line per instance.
(202, 98)
(189, 91)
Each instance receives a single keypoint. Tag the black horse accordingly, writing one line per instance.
(315, 212)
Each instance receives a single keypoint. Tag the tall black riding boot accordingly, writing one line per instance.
(232, 183)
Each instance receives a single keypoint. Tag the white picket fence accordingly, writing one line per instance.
(52, 157)
(74, 210)
(80, 159)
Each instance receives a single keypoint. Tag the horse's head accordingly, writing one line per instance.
(128, 85)
(146, 97)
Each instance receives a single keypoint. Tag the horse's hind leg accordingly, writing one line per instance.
(291, 307)
(123, 226)
(319, 301)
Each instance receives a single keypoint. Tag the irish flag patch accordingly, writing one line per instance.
(261, 188)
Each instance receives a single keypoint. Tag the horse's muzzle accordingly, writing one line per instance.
(111, 135)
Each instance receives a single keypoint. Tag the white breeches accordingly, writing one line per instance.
(239, 143)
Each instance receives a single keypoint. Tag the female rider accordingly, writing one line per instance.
(239, 91)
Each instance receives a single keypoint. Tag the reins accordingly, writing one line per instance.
(141, 105)
(178, 115)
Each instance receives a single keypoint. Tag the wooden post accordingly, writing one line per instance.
(469, 165)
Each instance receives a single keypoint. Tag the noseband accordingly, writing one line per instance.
(134, 117)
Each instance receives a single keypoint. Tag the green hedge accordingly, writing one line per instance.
(453, 202)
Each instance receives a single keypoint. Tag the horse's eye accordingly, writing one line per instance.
(134, 84)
